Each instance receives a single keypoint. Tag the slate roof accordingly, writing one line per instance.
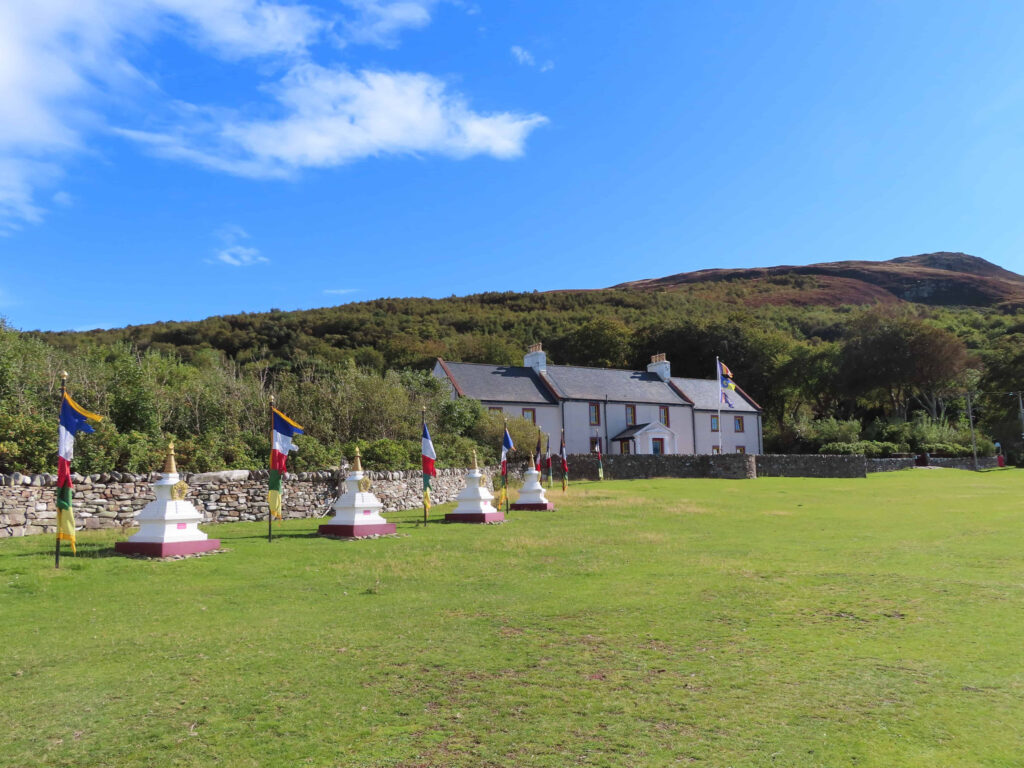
(502, 383)
(705, 396)
(576, 383)
(520, 384)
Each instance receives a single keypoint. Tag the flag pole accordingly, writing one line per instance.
(425, 480)
(504, 475)
(270, 512)
(562, 452)
(547, 459)
(718, 382)
(63, 394)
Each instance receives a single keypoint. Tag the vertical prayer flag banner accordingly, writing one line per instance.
(73, 419)
(726, 382)
(547, 460)
(600, 462)
(565, 463)
(506, 446)
(284, 431)
(538, 460)
(429, 458)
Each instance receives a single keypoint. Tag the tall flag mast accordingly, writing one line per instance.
(73, 418)
(282, 431)
(429, 457)
(506, 446)
(600, 462)
(565, 464)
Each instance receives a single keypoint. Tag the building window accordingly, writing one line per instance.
(624, 447)
(595, 414)
(716, 449)
(663, 415)
(741, 449)
(714, 423)
(495, 409)
(530, 414)
(595, 444)
(737, 423)
(630, 415)
(658, 446)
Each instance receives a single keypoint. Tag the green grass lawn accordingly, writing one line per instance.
(788, 622)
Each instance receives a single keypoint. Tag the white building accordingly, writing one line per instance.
(624, 412)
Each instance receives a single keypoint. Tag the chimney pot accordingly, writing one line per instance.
(660, 366)
(536, 359)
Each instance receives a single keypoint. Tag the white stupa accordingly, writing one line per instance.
(531, 495)
(357, 511)
(168, 525)
(474, 501)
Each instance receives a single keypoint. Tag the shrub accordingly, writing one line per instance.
(28, 443)
(873, 449)
(385, 454)
(311, 454)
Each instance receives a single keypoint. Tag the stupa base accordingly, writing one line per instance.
(166, 548)
(543, 507)
(357, 531)
(496, 516)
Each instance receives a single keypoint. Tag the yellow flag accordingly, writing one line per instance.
(66, 526)
(274, 499)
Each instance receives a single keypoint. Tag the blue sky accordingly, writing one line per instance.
(175, 159)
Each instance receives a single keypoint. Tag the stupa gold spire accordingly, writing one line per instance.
(358, 465)
(170, 468)
(474, 460)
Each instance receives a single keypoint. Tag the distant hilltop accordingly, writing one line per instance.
(943, 278)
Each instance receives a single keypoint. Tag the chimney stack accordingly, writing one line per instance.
(536, 359)
(660, 367)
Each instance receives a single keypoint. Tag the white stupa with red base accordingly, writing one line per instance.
(531, 495)
(357, 511)
(168, 525)
(474, 501)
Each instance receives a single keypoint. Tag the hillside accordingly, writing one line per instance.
(836, 353)
(802, 302)
(937, 279)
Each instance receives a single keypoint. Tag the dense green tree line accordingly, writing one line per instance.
(892, 377)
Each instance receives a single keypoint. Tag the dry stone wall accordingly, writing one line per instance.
(960, 462)
(731, 466)
(810, 465)
(889, 465)
(111, 500)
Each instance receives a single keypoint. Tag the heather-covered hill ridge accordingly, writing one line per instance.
(937, 279)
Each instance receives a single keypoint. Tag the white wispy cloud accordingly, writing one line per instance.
(333, 116)
(527, 59)
(241, 256)
(339, 291)
(232, 252)
(379, 22)
(65, 67)
(522, 55)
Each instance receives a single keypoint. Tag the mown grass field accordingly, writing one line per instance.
(776, 622)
